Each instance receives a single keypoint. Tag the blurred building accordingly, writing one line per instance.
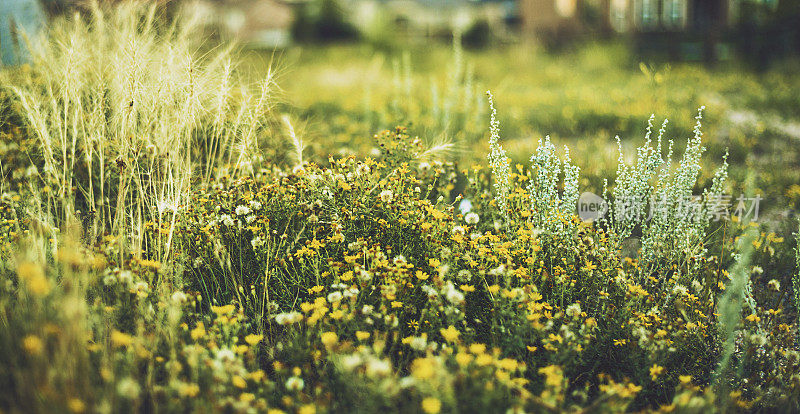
(671, 15)
(683, 29)
(257, 23)
(549, 16)
(625, 16)
(430, 17)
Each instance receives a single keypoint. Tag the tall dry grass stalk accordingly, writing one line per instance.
(130, 111)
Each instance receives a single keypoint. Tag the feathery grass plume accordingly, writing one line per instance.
(498, 161)
(729, 309)
(297, 142)
(796, 274)
(452, 92)
(455, 109)
(125, 109)
(437, 150)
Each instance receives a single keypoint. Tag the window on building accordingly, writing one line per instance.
(646, 14)
(619, 15)
(673, 14)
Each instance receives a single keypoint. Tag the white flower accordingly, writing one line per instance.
(242, 210)
(129, 388)
(388, 289)
(459, 230)
(573, 310)
(679, 290)
(255, 205)
(452, 294)
(351, 362)
(378, 367)
(351, 293)
(386, 196)
(363, 275)
(288, 318)
(257, 242)
(566, 333)
(179, 297)
(367, 309)
(472, 218)
(464, 275)
(226, 355)
(431, 292)
(391, 321)
(125, 277)
(758, 340)
(418, 343)
(334, 297)
(226, 220)
(498, 271)
(141, 287)
(295, 384)
(406, 382)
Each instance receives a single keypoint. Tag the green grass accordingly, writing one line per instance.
(583, 98)
(185, 228)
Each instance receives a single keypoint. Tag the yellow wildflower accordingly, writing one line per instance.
(431, 405)
(483, 360)
(75, 405)
(253, 339)
(34, 277)
(189, 390)
(463, 359)
(422, 368)
(32, 345)
(450, 334)
(329, 339)
(307, 409)
(553, 375)
(477, 348)
(199, 331)
(655, 371)
(121, 339)
(238, 382)
(223, 310)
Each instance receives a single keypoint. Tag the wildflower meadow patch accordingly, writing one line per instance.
(172, 241)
